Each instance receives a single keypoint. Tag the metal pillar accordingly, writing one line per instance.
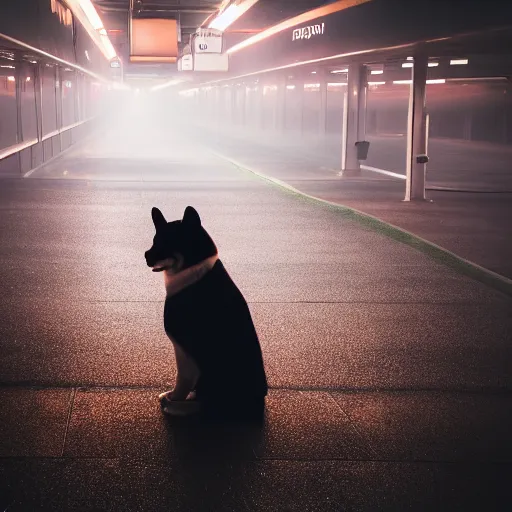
(38, 89)
(260, 106)
(281, 104)
(322, 118)
(233, 104)
(354, 116)
(417, 132)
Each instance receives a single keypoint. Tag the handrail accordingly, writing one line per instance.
(16, 148)
(53, 57)
(11, 150)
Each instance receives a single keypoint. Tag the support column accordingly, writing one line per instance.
(19, 78)
(38, 88)
(260, 109)
(417, 132)
(322, 118)
(234, 104)
(243, 105)
(354, 116)
(281, 104)
(58, 103)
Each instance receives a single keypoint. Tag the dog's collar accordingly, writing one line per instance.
(175, 283)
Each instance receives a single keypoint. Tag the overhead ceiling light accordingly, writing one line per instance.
(230, 14)
(433, 64)
(336, 71)
(91, 13)
(11, 79)
(436, 81)
(376, 83)
(336, 84)
(458, 62)
(86, 13)
(377, 72)
(407, 65)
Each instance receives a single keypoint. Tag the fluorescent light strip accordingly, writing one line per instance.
(407, 65)
(337, 71)
(92, 14)
(458, 62)
(377, 72)
(406, 82)
(376, 83)
(336, 84)
(93, 24)
(325, 10)
(230, 15)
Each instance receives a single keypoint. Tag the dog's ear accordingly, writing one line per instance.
(191, 217)
(158, 218)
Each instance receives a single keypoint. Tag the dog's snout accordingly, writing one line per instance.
(149, 259)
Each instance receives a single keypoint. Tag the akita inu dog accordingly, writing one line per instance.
(218, 355)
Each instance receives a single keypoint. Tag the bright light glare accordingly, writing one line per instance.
(91, 14)
(336, 71)
(311, 86)
(377, 72)
(436, 81)
(28, 79)
(410, 64)
(101, 39)
(336, 84)
(290, 87)
(230, 15)
(11, 79)
(376, 83)
(458, 62)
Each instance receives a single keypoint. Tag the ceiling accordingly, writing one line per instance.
(192, 14)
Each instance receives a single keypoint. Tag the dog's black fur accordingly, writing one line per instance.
(210, 319)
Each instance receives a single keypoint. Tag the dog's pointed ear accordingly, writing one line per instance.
(191, 217)
(158, 218)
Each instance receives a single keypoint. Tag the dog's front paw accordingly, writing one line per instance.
(167, 396)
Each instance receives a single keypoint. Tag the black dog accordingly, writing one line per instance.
(218, 354)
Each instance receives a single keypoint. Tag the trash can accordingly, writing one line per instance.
(362, 147)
